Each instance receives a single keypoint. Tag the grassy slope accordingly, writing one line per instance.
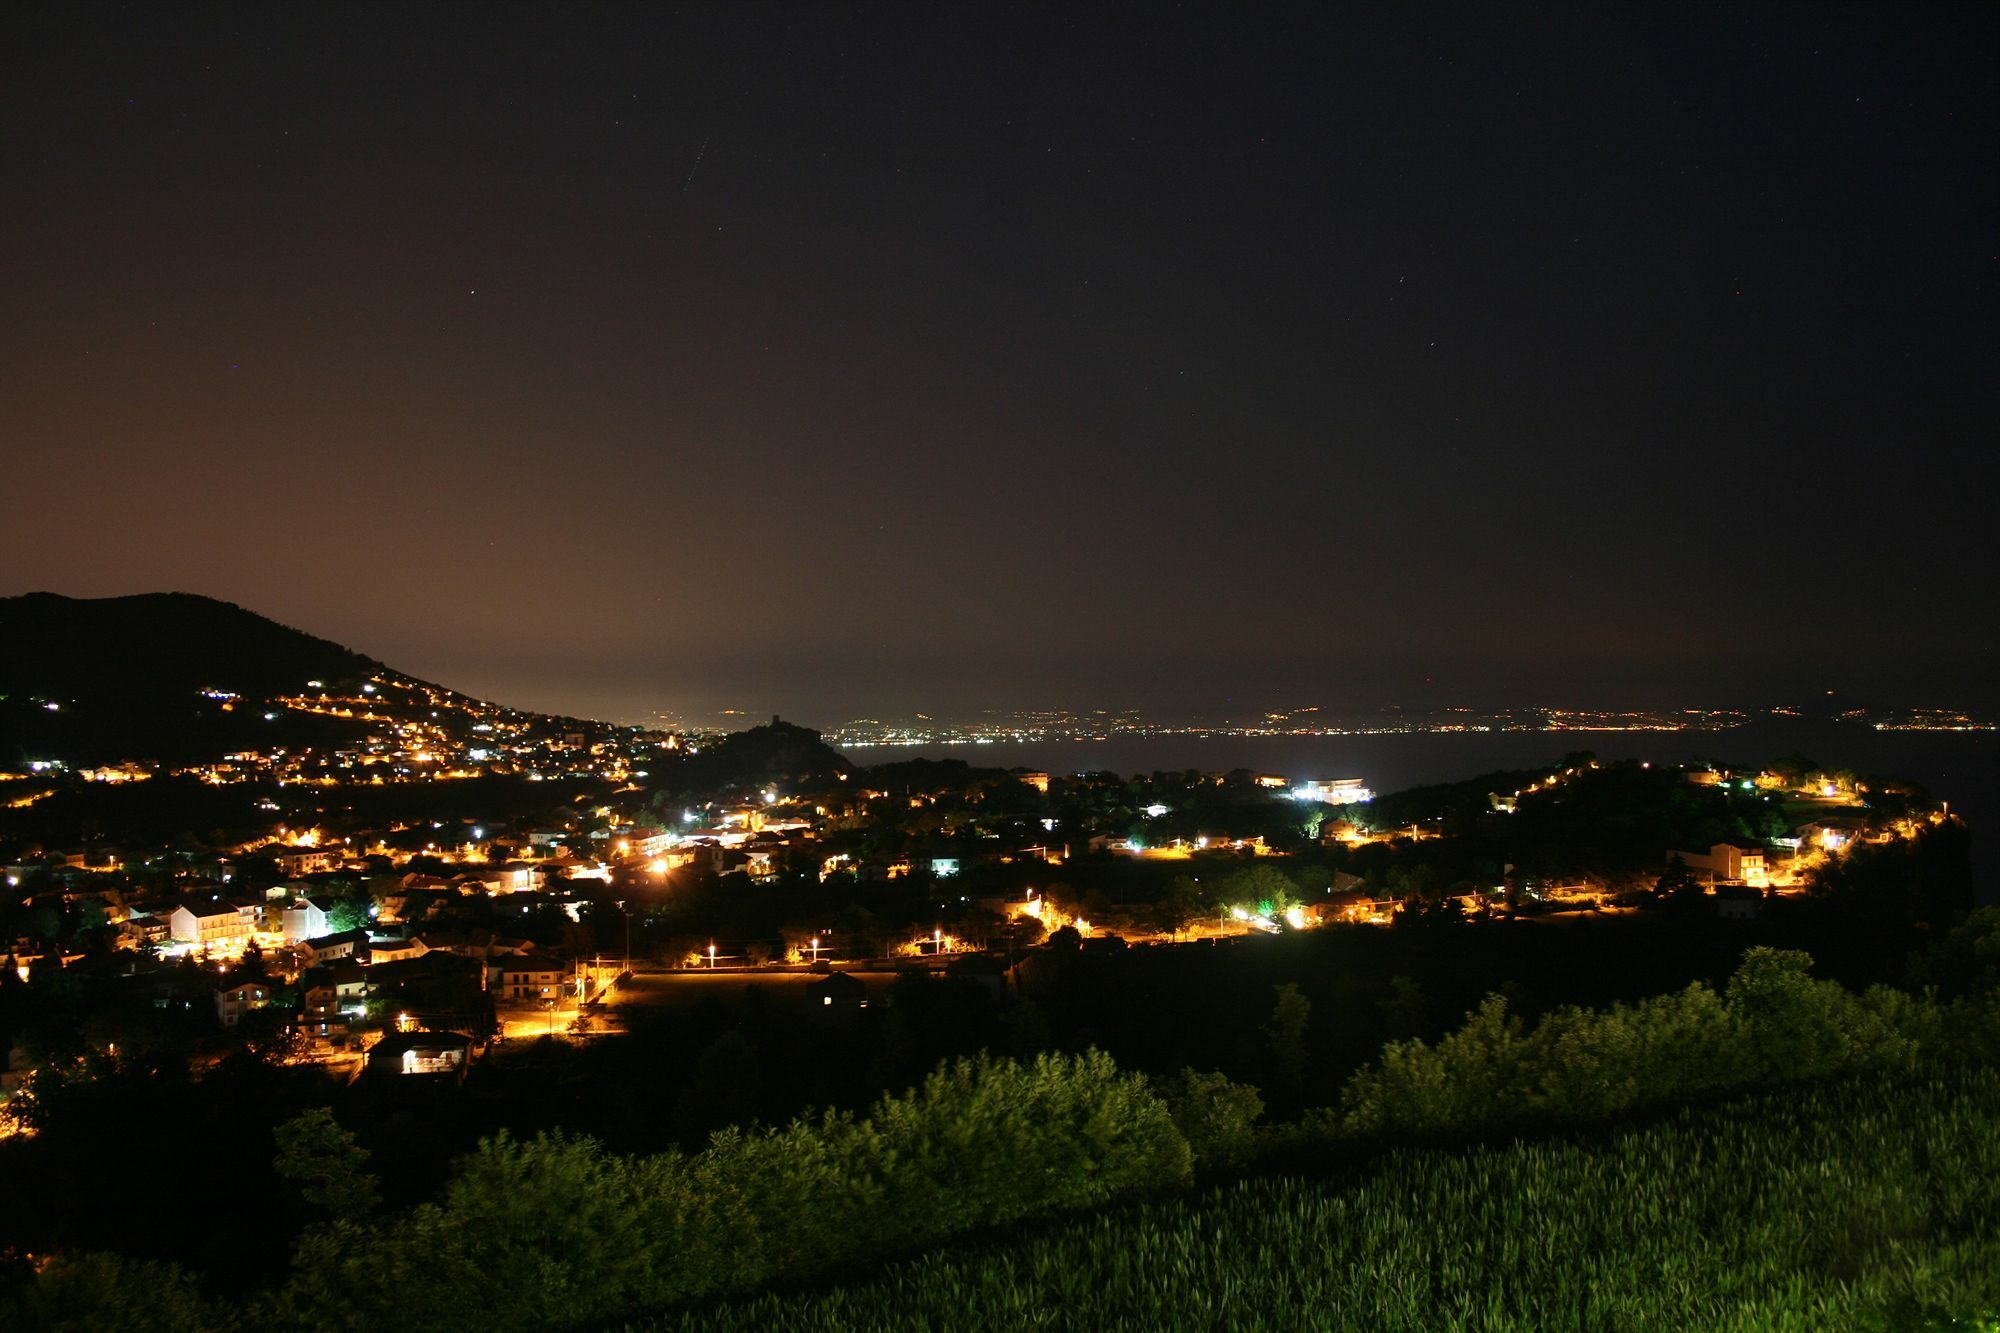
(1867, 1203)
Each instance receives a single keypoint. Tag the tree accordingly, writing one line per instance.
(325, 1163)
(1678, 889)
(1027, 1030)
(1263, 888)
(1407, 1011)
(1925, 878)
(724, 1090)
(1285, 1035)
(349, 913)
(1965, 962)
(1443, 909)
(1802, 1027)
(1025, 932)
(106, 1291)
(1215, 1115)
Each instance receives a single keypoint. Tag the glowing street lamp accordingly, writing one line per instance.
(711, 957)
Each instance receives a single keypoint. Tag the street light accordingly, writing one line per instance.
(711, 957)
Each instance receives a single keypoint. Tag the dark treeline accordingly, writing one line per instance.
(557, 1231)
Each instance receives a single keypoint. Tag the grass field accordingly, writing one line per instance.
(1872, 1202)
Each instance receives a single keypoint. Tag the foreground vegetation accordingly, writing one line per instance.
(1869, 1202)
(1874, 1179)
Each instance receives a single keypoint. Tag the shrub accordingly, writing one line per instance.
(325, 1164)
(1218, 1118)
(556, 1232)
(1799, 1027)
(106, 1293)
(1775, 1023)
(1859, 1204)
(985, 1142)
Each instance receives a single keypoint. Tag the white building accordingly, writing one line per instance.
(303, 920)
(205, 924)
(1333, 791)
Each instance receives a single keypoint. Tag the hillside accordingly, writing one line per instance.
(178, 678)
(776, 752)
(76, 649)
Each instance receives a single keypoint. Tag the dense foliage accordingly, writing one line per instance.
(1774, 1023)
(1867, 1203)
(557, 1231)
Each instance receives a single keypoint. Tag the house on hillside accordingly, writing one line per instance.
(142, 932)
(526, 978)
(394, 950)
(336, 988)
(443, 1056)
(1728, 863)
(208, 923)
(233, 1000)
(1834, 833)
(342, 944)
(515, 877)
(475, 943)
(296, 861)
(303, 919)
(836, 997)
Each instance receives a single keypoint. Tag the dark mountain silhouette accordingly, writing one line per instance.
(777, 752)
(91, 680)
(166, 642)
(180, 679)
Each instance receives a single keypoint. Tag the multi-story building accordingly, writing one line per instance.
(209, 923)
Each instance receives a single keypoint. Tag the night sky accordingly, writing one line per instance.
(834, 361)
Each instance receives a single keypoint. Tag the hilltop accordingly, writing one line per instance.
(184, 679)
(72, 649)
(775, 752)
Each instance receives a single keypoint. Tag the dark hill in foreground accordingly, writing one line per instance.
(170, 643)
(96, 679)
